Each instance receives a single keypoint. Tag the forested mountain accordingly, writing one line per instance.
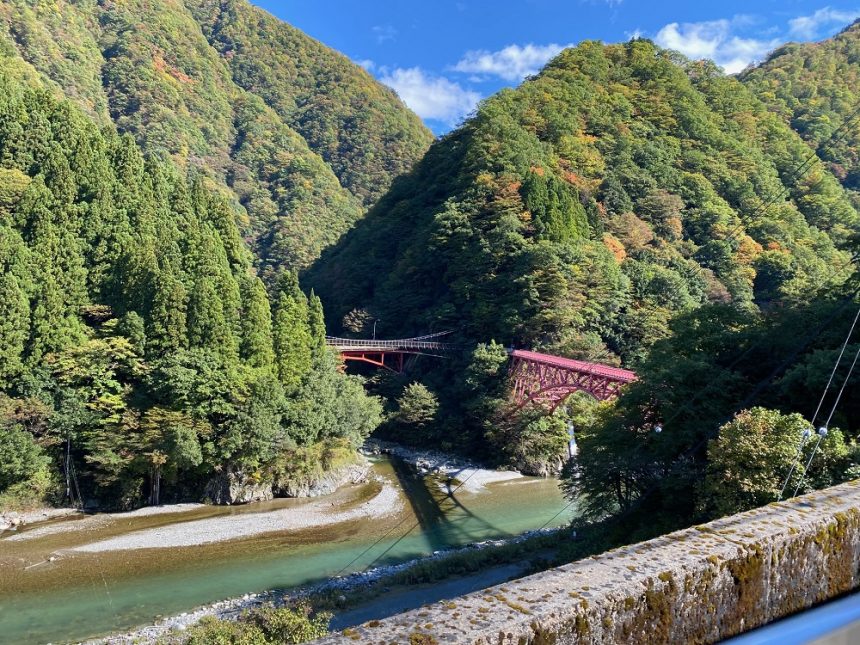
(139, 351)
(814, 87)
(303, 139)
(582, 211)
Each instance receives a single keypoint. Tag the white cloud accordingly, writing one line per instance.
(808, 27)
(431, 97)
(366, 63)
(714, 40)
(513, 63)
(384, 33)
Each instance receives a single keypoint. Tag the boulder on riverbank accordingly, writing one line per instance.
(231, 487)
(541, 466)
(324, 483)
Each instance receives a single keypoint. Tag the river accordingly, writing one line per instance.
(84, 594)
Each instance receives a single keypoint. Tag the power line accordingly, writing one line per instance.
(751, 397)
(391, 530)
(822, 432)
(806, 433)
(842, 389)
(803, 440)
(763, 384)
(835, 367)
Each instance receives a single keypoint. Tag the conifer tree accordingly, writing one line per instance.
(207, 327)
(316, 320)
(256, 348)
(291, 332)
(14, 328)
(167, 317)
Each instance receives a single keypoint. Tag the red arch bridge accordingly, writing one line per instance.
(537, 378)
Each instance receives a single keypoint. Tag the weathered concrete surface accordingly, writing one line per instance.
(699, 585)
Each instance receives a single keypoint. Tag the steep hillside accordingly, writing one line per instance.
(227, 90)
(584, 209)
(140, 354)
(816, 87)
(357, 125)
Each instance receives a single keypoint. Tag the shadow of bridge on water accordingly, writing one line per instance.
(441, 509)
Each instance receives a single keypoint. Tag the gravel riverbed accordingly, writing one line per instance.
(231, 527)
(233, 607)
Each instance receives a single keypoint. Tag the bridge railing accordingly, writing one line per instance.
(345, 344)
(583, 367)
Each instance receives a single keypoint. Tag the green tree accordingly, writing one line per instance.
(167, 320)
(257, 348)
(207, 325)
(291, 332)
(14, 328)
(750, 459)
(20, 456)
(132, 326)
(416, 406)
(316, 320)
(329, 404)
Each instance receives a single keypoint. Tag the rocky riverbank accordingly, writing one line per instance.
(326, 483)
(238, 488)
(468, 476)
(13, 520)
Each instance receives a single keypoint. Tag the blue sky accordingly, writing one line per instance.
(443, 56)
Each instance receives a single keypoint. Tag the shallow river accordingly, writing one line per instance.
(82, 594)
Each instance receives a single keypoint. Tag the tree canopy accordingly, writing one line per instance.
(299, 139)
(139, 344)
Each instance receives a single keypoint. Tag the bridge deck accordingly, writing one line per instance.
(402, 345)
(615, 373)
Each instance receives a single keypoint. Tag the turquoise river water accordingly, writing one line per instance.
(81, 595)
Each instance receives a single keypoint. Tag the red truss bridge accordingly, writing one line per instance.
(537, 378)
(389, 354)
(549, 380)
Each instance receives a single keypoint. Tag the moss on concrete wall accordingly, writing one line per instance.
(699, 585)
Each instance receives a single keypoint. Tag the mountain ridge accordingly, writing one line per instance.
(628, 159)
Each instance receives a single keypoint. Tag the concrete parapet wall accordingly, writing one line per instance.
(699, 585)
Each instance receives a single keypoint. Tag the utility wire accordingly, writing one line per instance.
(822, 432)
(842, 389)
(806, 433)
(391, 530)
(803, 440)
(751, 397)
(835, 367)
(762, 385)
